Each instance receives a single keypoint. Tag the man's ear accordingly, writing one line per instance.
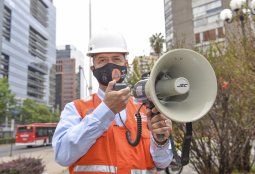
(92, 68)
(126, 63)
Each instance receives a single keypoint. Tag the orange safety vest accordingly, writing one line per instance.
(111, 152)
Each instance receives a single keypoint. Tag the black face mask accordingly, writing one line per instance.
(110, 72)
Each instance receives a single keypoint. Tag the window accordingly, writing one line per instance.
(4, 65)
(37, 44)
(41, 132)
(39, 11)
(25, 129)
(207, 9)
(35, 83)
(209, 35)
(6, 23)
(213, 19)
(197, 37)
(200, 22)
(221, 33)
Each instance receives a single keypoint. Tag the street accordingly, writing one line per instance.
(8, 149)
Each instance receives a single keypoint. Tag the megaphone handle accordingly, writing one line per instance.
(150, 105)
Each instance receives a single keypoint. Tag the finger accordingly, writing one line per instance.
(123, 96)
(125, 91)
(159, 124)
(110, 86)
(154, 110)
(168, 123)
(157, 118)
(163, 130)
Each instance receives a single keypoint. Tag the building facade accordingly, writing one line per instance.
(27, 46)
(178, 22)
(70, 76)
(196, 21)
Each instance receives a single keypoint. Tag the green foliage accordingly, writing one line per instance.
(34, 112)
(222, 140)
(22, 166)
(29, 112)
(135, 74)
(137, 69)
(234, 115)
(7, 99)
(7, 140)
(156, 43)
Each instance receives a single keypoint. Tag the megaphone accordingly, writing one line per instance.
(182, 85)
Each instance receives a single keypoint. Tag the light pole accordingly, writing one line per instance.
(239, 8)
(81, 71)
(90, 60)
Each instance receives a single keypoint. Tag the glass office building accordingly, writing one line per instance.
(28, 48)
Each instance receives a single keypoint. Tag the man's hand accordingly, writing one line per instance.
(159, 124)
(116, 100)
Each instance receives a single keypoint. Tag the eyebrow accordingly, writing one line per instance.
(104, 57)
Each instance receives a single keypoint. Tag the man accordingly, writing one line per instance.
(91, 134)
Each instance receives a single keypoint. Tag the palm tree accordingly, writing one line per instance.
(156, 41)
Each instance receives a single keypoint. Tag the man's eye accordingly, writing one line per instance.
(102, 61)
(117, 59)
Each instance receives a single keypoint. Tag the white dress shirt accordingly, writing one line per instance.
(74, 135)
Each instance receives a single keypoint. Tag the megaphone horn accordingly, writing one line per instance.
(182, 85)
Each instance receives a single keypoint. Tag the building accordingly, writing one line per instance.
(196, 21)
(27, 46)
(178, 22)
(70, 76)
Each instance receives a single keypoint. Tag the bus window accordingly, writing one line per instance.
(25, 129)
(41, 132)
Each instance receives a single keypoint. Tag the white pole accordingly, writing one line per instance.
(90, 62)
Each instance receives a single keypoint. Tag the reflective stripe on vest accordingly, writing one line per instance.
(109, 169)
(137, 171)
(95, 168)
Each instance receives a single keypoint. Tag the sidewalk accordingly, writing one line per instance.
(51, 167)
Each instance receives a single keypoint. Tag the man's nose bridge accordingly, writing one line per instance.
(110, 60)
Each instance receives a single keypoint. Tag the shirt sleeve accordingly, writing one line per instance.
(161, 155)
(74, 136)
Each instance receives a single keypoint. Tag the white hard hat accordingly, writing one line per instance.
(107, 41)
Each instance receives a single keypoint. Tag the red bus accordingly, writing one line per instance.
(36, 134)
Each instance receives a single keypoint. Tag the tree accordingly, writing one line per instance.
(7, 100)
(156, 43)
(135, 74)
(140, 65)
(222, 140)
(32, 112)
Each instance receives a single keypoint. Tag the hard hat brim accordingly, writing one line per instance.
(106, 50)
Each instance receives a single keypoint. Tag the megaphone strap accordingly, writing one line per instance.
(176, 156)
(184, 158)
(186, 144)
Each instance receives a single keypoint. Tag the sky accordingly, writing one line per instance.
(137, 20)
